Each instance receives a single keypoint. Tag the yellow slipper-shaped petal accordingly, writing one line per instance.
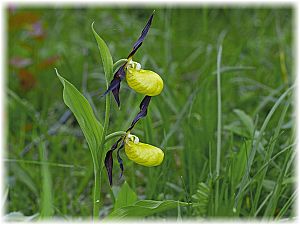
(145, 82)
(143, 154)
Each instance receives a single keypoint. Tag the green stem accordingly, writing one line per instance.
(118, 64)
(115, 134)
(100, 158)
(106, 122)
(97, 171)
(97, 192)
(219, 125)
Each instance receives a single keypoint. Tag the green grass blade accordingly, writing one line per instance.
(23, 176)
(256, 143)
(289, 202)
(268, 156)
(46, 193)
(219, 126)
(263, 203)
(246, 120)
(273, 203)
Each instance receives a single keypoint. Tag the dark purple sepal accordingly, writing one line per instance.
(139, 42)
(114, 85)
(120, 161)
(108, 161)
(109, 165)
(143, 111)
(116, 94)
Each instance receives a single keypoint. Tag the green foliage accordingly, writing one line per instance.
(144, 208)
(202, 199)
(239, 163)
(246, 120)
(126, 197)
(92, 130)
(90, 126)
(105, 55)
(46, 192)
(127, 205)
(24, 178)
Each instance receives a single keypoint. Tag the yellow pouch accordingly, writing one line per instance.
(145, 82)
(143, 154)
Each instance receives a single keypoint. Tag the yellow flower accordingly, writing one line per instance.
(142, 81)
(143, 154)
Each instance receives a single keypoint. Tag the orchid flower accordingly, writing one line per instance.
(142, 81)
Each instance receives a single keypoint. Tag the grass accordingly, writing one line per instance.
(225, 118)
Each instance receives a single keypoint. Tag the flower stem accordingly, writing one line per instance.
(219, 126)
(118, 64)
(115, 134)
(97, 192)
(100, 158)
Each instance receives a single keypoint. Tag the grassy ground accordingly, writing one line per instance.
(225, 119)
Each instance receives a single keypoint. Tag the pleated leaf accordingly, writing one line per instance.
(83, 112)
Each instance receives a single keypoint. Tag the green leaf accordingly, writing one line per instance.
(237, 129)
(90, 126)
(46, 204)
(144, 208)
(202, 197)
(126, 197)
(246, 120)
(105, 55)
(23, 176)
(239, 163)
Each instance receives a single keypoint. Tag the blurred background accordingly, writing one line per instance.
(182, 46)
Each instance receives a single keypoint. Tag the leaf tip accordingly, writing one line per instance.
(62, 80)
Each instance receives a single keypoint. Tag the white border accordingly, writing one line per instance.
(248, 3)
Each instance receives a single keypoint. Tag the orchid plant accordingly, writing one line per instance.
(145, 82)
(141, 81)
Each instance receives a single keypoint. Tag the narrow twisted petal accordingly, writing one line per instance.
(143, 35)
(120, 161)
(109, 165)
(143, 111)
(120, 74)
(108, 161)
(115, 84)
(116, 94)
